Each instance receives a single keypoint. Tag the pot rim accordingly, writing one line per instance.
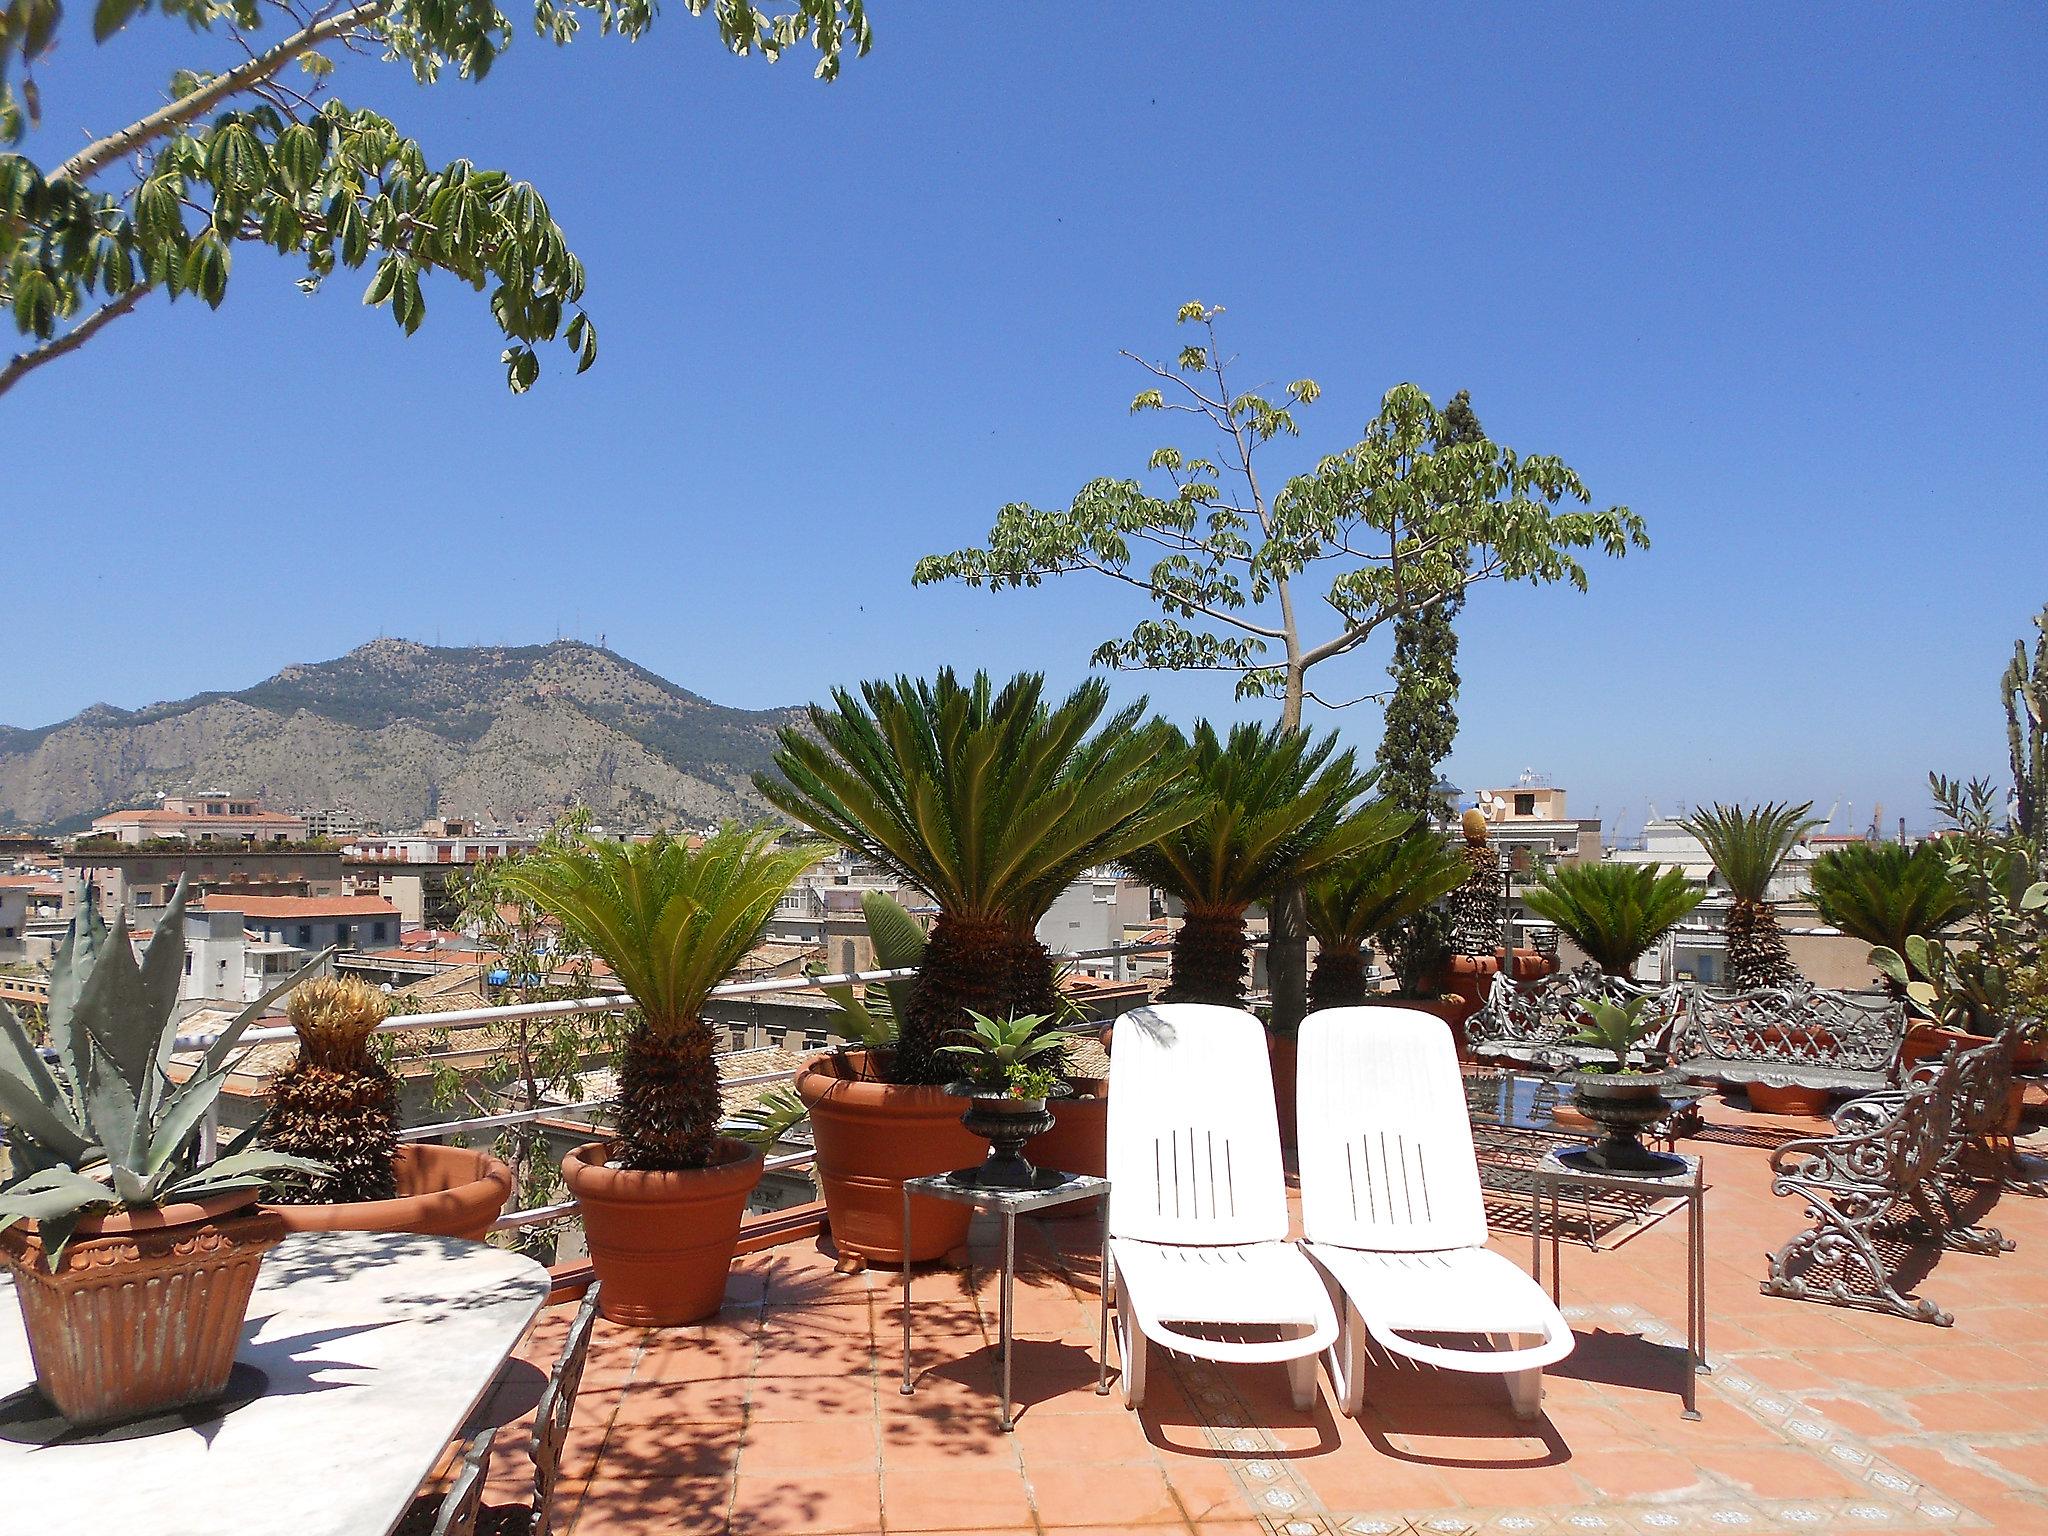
(491, 1170)
(736, 1159)
(122, 1221)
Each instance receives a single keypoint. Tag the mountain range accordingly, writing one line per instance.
(395, 731)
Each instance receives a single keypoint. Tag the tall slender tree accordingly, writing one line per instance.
(1396, 525)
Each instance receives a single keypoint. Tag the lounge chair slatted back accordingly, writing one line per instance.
(1395, 1122)
(1186, 1163)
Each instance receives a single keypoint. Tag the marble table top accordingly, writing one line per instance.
(376, 1348)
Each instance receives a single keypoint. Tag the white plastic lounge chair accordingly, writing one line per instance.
(1392, 1211)
(1200, 1260)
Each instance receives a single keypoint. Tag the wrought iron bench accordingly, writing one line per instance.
(1531, 1024)
(1882, 1175)
(1826, 1042)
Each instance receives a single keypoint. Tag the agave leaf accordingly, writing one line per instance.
(52, 1193)
(163, 965)
(248, 1168)
(113, 1010)
(68, 970)
(182, 1112)
(30, 1095)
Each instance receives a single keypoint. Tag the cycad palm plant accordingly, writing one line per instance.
(1887, 893)
(990, 801)
(1747, 845)
(670, 920)
(1366, 896)
(337, 1103)
(1614, 912)
(1277, 806)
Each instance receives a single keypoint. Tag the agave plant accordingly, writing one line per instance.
(1747, 846)
(1614, 912)
(1886, 893)
(337, 1103)
(1278, 806)
(670, 920)
(103, 1126)
(996, 1050)
(1616, 1028)
(1366, 897)
(991, 801)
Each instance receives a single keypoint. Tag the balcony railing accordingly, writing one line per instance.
(457, 1020)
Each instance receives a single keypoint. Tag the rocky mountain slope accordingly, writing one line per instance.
(394, 731)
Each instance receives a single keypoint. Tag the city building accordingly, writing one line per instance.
(1094, 912)
(123, 874)
(211, 817)
(1533, 830)
(420, 872)
(313, 923)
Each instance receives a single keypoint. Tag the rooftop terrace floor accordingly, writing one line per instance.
(785, 1415)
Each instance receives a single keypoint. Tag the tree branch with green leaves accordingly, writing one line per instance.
(257, 154)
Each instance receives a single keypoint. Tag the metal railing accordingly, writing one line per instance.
(461, 1019)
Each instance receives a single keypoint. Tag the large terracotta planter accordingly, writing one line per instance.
(146, 1311)
(442, 1192)
(1079, 1139)
(1787, 1099)
(1454, 1011)
(662, 1243)
(870, 1137)
(1283, 1052)
(1926, 1041)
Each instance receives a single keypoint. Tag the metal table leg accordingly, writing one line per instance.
(1103, 1283)
(908, 1389)
(1003, 1318)
(1536, 1227)
(1693, 1276)
(1556, 1247)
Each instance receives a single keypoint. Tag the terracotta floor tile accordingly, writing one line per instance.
(1070, 1495)
(671, 1448)
(1869, 1415)
(1633, 1474)
(1959, 1411)
(1363, 1481)
(806, 1501)
(1777, 1473)
(2027, 1461)
(843, 1444)
(1208, 1489)
(810, 1397)
(642, 1506)
(942, 1500)
(714, 1400)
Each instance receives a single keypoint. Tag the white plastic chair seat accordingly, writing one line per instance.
(1459, 1291)
(1176, 1289)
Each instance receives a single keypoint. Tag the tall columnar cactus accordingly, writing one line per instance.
(104, 1126)
(2025, 691)
(337, 1103)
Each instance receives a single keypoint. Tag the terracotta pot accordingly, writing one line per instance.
(147, 1310)
(2029, 1053)
(1454, 1011)
(1282, 1051)
(872, 1136)
(1079, 1139)
(662, 1243)
(1468, 977)
(1529, 964)
(1773, 1099)
(442, 1192)
(1924, 1041)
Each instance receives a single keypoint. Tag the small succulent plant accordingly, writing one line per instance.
(103, 1126)
(998, 1049)
(1617, 1028)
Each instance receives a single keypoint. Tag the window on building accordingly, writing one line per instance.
(1525, 805)
(846, 964)
(377, 933)
(188, 962)
(305, 935)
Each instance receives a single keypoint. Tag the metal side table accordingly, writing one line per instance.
(1689, 1184)
(1049, 1189)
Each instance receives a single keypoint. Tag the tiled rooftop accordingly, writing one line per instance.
(784, 1415)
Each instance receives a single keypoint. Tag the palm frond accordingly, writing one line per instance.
(1747, 844)
(990, 800)
(1277, 805)
(1886, 893)
(1372, 891)
(1614, 912)
(671, 921)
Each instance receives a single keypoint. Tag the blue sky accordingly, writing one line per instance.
(1773, 278)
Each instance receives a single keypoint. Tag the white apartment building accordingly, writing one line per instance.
(210, 817)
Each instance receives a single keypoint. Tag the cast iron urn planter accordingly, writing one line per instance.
(1623, 1105)
(1008, 1123)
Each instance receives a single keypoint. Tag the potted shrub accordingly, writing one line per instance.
(991, 801)
(662, 1197)
(1620, 1096)
(338, 1104)
(1614, 912)
(1007, 1073)
(1747, 846)
(133, 1260)
(1368, 896)
(1277, 808)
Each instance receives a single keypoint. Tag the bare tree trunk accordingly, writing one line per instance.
(1287, 917)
